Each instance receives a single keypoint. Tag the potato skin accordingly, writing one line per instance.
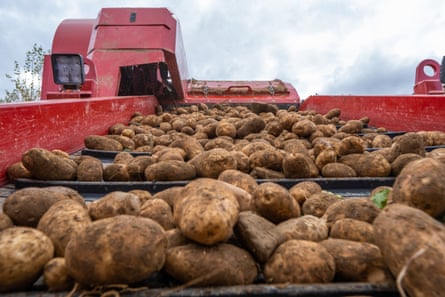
(352, 229)
(361, 209)
(120, 250)
(306, 227)
(171, 170)
(62, 221)
(113, 204)
(218, 265)
(420, 184)
(46, 165)
(300, 261)
(159, 211)
(19, 270)
(26, 206)
(99, 142)
(5, 221)
(55, 275)
(90, 169)
(197, 213)
(275, 203)
(409, 237)
(211, 163)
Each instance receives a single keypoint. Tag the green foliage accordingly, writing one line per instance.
(380, 198)
(26, 79)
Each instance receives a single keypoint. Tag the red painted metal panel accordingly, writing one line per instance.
(61, 124)
(396, 113)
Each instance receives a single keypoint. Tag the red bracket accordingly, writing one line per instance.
(425, 83)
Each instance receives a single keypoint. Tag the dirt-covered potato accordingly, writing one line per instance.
(275, 203)
(253, 124)
(143, 195)
(190, 145)
(99, 142)
(351, 127)
(119, 250)
(18, 170)
(325, 157)
(357, 261)
(300, 261)
(218, 265)
(170, 153)
(306, 227)
(171, 170)
(299, 166)
(400, 162)
(136, 167)
(267, 158)
(413, 247)
(421, 184)
(303, 128)
(90, 169)
(56, 277)
(265, 173)
(352, 229)
(197, 212)
(361, 209)
(159, 211)
(410, 142)
(337, 170)
(5, 221)
(113, 204)
(239, 179)
(123, 158)
(211, 163)
(258, 235)
(26, 206)
(24, 253)
(317, 204)
(303, 190)
(350, 145)
(381, 140)
(367, 164)
(116, 172)
(169, 195)
(126, 142)
(63, 220)
(226, 128)
(46, 165)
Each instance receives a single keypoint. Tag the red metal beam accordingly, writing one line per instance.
(61, 124)
(396, 113)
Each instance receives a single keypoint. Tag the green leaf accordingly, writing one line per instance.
(380, 198)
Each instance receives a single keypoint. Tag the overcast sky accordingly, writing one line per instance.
(320, 46)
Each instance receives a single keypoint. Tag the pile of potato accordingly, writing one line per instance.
(228, 231)
(224, 228)
(261, 140)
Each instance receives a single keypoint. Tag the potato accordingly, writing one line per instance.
(264, 173)
(242, 161)
(119, 250)
(46, 165)
(172, 170)
(381, 141)
(197, 213)
(351, 127)
(400, 162)
(303, 128)
(250, 125)
(159, 211)
(169, 195)
(26, 206)
(18, 170)
(239, 179)
(123, 158)
(410, 142)
(275, 203)
(56, 277)
(90, 169)
(367, 164)
(438, 154)
(296, 146)
(24, 252)
(257, 234)
(116, 172)
(303, 190)
(143, 139)
(420, 184)
(325, 157)
(300, 261)
(274, 127)
(337, 170)
(136, 167)
(175, 238)
(267, 158)
(62, 221)
(211, 163)
(299, 166)
(350, 145)
(357, 261)
(219, 265)
(413, 247)
(361, 209)
(98, 142)
(333, 113)
(126, 142)
(306, 227)
(225, 128)
(143, 195)
(113, 204)
(170, 153)
(5, 221)
(255, 146)
(318, 203)
(190, 145)
(352, 229)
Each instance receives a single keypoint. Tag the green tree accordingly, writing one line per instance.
(26, 79)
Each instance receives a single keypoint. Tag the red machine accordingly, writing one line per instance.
(103, 70)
